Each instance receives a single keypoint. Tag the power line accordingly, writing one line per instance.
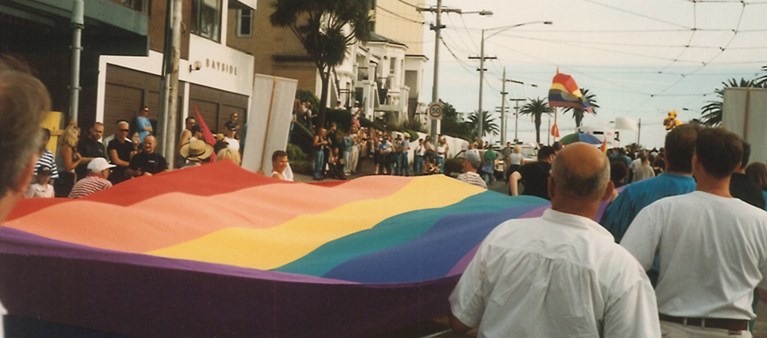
(636, 14)
(407, 3)
(400, 16)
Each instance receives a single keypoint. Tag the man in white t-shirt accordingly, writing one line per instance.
(232, 142)
(712, 247)
(559, 275)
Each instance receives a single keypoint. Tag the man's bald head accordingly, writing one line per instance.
(580, 170)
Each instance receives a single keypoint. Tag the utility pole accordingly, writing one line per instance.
(495, 31)
(78, 22)
(437, 27)
(503, 108)
(169, 93)
(639, 131)
(481, 57)
(503, 104)
(516, 118)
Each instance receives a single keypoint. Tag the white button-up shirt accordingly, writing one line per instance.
(560, 275)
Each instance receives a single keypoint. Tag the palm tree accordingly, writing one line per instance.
(761, 81)
(488, 124)
(325, 29)
(536, 108)
(578, 114)
(711, 113)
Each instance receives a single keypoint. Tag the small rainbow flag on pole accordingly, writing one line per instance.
(564, 92)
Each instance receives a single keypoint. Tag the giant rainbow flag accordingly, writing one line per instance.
(564, 92)
(219, 251)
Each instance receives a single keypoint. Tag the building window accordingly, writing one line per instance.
(141, 6)
(244, 22)
(206, 19)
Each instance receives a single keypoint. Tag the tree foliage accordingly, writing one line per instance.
(536, 108)
(325, 29)
(579, 114)
(452, 124)
(488, 124)
(761, 80)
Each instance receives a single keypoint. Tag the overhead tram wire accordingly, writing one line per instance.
(711, 60)
(689, 41)
(578, 44)
(671, 23)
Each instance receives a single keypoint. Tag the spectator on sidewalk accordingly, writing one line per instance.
(143, 124)
(67, 160)
(46, 156)
(120, 150)
(98, 171)
(147, 162)
(195, 153)
(41, 188)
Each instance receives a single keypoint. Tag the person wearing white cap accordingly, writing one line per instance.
(471, 162)
(98, 171)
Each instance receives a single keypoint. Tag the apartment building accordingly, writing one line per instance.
(384, 74)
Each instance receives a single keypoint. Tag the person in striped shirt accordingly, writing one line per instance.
(471, 162)
(46, 158)
(98, 171)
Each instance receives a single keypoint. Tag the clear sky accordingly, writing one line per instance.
(641, 58)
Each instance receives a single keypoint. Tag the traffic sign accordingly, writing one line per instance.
(435, 110)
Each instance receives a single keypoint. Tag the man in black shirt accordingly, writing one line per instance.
(535, 175)
(89, 148)
(120, 151)
(147, 162)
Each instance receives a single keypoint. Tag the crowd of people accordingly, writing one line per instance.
(338, 154)
(91, 163)
(699, 227)
(679, 252)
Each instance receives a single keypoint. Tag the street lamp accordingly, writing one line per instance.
(437, 27)
(496, 31)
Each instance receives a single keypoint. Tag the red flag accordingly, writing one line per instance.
(555, 130)
(209, 139)
(604, 145)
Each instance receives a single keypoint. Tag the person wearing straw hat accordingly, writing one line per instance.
(195, 152)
